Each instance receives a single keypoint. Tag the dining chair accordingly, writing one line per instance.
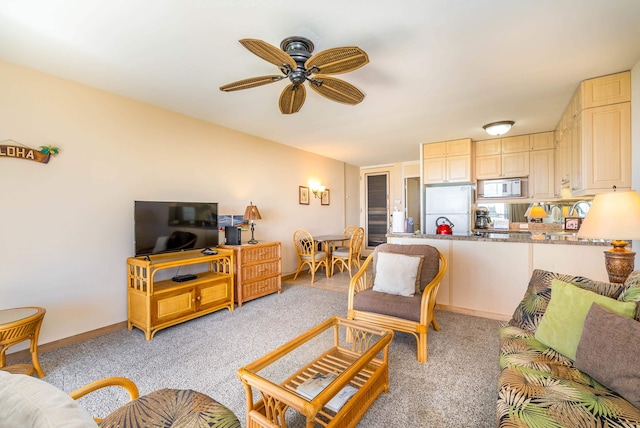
(308, 254)
(347, 232)
(346, 257)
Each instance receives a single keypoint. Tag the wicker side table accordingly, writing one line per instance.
(18, 325)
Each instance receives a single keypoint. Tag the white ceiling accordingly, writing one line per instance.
(439, 69)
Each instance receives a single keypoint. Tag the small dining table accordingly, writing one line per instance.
(326, 241)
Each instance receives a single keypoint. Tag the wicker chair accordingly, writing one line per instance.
(33, 402)
(346, 257)
(407, 314)
(308, 254)
(348, 231)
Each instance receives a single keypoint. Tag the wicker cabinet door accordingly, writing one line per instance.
(172, 305)
(213, 294)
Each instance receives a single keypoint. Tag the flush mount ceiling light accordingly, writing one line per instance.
(498, 128)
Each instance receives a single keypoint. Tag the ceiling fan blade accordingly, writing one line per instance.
(336, 89)
(251, 82)
(269, 52)
(292, 98)
(338, 60)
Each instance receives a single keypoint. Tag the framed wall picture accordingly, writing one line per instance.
(572, 223)
(303, 195)
(324, 200)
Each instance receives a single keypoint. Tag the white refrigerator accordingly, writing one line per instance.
(452, 202)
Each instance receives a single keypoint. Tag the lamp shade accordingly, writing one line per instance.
(613, 215)
(498, 128)
(537, 212)
(252, 213)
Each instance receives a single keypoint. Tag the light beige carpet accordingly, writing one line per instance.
(456, 388)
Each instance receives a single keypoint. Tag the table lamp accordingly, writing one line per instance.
(614, 216)
(536, 213)
(251, 214)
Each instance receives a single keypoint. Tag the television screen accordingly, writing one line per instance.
(162, 227)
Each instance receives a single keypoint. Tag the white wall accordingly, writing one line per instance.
(66, 227)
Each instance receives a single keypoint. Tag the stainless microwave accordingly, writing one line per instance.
(506, 188)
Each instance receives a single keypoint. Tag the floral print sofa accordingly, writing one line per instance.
(540, 387)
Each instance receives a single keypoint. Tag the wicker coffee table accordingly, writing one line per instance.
(356, 353)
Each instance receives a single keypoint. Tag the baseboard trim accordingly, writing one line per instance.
(56, 344)
(473, 312)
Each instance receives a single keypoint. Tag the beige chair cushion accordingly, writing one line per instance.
(317, 256)
(430, 265)
(407, 308)
(397, 273)
(28, 402)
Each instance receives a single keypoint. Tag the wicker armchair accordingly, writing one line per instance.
(407, 314)
(308, 254)
(348, 257)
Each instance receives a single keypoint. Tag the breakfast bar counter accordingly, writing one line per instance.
(489, 273)
(490, 235)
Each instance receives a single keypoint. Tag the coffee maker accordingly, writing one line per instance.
(482, 219)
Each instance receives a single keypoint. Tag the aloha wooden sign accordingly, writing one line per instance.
(18, 151)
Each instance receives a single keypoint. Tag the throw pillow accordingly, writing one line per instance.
(396, 274)
(607, 352)
(430, 266)
(561, 326)
(31, 402)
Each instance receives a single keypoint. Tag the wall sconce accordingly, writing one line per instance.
(499, 128)
(317, 190)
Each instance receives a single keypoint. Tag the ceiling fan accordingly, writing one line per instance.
(296, 62)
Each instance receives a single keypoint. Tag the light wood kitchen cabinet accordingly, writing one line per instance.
(492, 161)
(542, 182)
(488, 147)
(606, 148)
(519, 143)
(258, 270)
(515, 164)
(606, 90)
(594, 137)
(447, 162)
(542, 141)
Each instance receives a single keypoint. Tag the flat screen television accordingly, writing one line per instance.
(163, 227)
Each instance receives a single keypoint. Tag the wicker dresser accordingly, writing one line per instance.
(258, 270)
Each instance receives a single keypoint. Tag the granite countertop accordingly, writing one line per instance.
(489, 235)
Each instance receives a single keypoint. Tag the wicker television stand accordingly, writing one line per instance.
(156, 301)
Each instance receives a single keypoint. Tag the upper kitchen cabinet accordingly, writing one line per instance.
(606, 90)
(447, 162)
(594, 137)
(542, 141)
(502, 157)
(542, 167)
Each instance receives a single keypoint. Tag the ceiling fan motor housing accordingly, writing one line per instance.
(300, 50)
